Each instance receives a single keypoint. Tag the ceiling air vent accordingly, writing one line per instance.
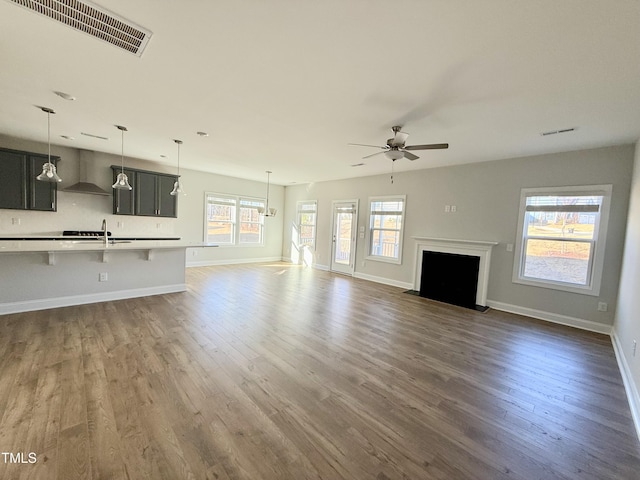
(93, 20)
(555, 132)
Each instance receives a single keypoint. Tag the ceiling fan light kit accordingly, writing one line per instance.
(394, 154)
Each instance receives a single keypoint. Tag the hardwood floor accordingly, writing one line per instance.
(273, 371)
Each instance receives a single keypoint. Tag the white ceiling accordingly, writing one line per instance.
(285, 85)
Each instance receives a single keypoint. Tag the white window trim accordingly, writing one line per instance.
(205, 223)
(236, 222)
(597, 267)
(261, 222)
(299, 204)
(376, 258)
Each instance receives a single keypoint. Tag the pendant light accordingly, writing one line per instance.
(266, 211)
(49, 173)
(177, 186)
(122, 181)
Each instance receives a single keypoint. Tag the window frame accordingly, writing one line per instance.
(370, 230)
(596, 261)
(299, 212)
(259, 203)
(236, 221)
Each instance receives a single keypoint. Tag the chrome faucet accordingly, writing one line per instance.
(105, 232)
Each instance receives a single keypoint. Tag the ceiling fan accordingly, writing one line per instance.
(396, 149)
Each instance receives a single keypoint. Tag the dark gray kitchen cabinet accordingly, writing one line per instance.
(19, 188)
(153, 194)
(150, 197)
(167, 203)
(124, 200)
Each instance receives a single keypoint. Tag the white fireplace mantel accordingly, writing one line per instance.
(476, 248)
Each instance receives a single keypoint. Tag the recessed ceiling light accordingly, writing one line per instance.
(67, 137)
(66, 96)
(203, 134)
(163, 156)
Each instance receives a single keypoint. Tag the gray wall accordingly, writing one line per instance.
(487, 197)
(627, 322)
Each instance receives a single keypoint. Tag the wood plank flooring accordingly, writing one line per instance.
(273, 371)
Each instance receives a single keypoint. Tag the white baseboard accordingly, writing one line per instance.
(324, 268)
(233, 261)
(46, 303)
(383, 280)
(633, 394)
(552, 317)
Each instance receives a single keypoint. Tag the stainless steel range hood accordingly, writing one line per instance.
(83, 186)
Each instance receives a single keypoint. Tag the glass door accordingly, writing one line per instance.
(345, 215)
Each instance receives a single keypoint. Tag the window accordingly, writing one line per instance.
(307, 217)
(561, 237)
(386, 224)
(251, 222)
(231, 220)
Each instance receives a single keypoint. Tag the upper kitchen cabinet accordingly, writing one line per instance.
(150, 195)
(153, 194)
(124, 200)
(19, 188)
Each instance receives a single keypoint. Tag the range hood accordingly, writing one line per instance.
(83, 186)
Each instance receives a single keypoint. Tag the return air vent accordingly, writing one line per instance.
(93, 136)
(93, 20)
(554, 132)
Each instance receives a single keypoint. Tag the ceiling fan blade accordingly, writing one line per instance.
(432, 146)
(399, 139)
(374, 154)
(410, 156)
(364, 145)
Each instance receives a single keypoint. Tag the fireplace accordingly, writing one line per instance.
(453, 271)
(450, 278)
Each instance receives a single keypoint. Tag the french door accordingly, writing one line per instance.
(344, 231)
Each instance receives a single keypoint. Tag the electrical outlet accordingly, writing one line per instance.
(103, 277)
(121, 224)
(158, 225)
(509, 247)
(602, 307)
(454, 209)
(15, 221)
(447, 208)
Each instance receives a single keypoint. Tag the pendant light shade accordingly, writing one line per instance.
(122, 181)
(266, 211)
(177, 186)
(49, 173)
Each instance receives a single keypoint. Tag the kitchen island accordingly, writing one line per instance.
(38, 273)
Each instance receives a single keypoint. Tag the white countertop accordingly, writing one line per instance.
(77, 245)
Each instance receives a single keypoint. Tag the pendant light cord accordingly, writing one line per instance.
(49, 134)
(178, 158)
(122, 151)
(268, 178)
